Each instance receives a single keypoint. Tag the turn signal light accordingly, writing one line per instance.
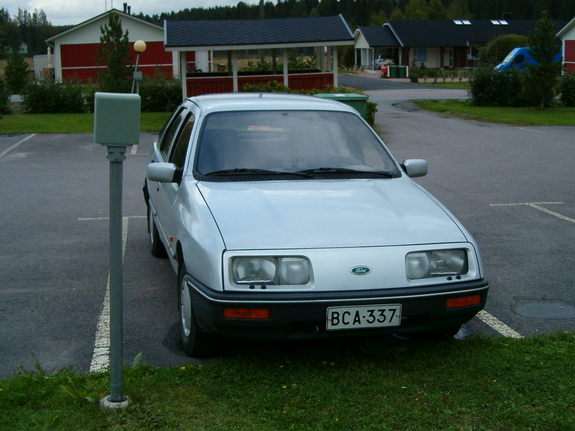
(464, 301)
(246, 313)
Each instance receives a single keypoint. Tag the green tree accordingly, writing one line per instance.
(497, 49)
(459, 9)
(10, 36)
(378, 18)
(542, 78)
(397, 14)
(35, 29)
(17, 73)
(437, 10)
(113, 52)
(416, 9)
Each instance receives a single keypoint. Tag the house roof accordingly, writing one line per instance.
(444, 32)
(123, 16)
(378, 36)
(268, 33)
(566, 28)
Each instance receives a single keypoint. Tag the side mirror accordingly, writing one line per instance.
(162, 172)
(415, 167)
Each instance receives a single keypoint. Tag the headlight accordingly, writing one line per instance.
(271, 270)
(440, 263)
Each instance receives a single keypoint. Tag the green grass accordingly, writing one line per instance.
(70, 123)
(558, 116)
(365, 384)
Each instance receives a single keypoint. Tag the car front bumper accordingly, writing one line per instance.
(301, 316)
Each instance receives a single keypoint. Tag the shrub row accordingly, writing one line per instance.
(53, 98)
(158, 95)
(567, 90)
(494, 88)
(510, 88)
(435, 75)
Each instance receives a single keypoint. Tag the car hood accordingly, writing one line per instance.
(326, 214)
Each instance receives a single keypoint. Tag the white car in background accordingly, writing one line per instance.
(285, 217)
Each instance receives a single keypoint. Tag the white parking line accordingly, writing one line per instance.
(483, 315)
(553, 213)
(537, 206)
(3, 153)
(498, 325)
(526, 203)
(101, 354)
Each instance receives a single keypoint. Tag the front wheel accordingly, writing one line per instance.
(196, 342)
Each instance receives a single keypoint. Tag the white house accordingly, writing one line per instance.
(567, 35)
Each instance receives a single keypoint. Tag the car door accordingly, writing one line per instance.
(167, 193)
(160, 152)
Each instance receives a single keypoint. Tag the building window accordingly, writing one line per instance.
(420, 54)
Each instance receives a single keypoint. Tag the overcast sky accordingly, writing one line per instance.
(72, 12)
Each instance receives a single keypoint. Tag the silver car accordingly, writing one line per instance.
(286, 217)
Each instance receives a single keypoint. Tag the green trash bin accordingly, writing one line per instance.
(401, 71)
(392, 71)
(356, 101)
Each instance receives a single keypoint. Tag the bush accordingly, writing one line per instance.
(4, 97)
(567, 90)
(497, 49)
(160, 95)
(54, 98)
(496, 88)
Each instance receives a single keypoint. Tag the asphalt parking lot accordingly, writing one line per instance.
(512, 187)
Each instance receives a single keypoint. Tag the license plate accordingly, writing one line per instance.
(363, 316)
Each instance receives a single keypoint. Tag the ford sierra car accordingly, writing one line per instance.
(286, 217)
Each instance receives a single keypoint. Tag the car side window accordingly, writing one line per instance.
(167, 135)
(180, 148)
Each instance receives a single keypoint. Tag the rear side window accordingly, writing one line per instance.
(169, 131)
(180, 149)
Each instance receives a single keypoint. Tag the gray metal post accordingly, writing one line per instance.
(116, 125)
(116, 157)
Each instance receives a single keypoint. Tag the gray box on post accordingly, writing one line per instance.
(117, 119)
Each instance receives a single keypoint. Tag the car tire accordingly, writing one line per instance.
(196, 342)
(156, 247)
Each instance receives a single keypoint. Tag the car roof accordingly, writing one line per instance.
(265, 101)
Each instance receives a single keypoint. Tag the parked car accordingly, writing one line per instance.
(518, 59)
(383, 61)
(286, 217)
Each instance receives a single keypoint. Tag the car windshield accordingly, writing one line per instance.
(300, 144)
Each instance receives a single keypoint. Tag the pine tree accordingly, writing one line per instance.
(541, 79)
(17, 73)
(113, 52)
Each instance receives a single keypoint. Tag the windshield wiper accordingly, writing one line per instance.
(250, 171)
(327, 170)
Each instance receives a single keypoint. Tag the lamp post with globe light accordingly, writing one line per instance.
(139, 47)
